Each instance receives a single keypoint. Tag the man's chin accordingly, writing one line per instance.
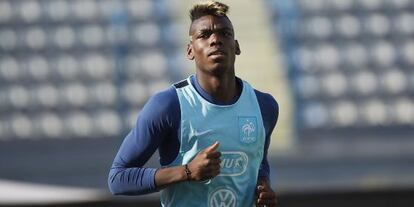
(217, 69)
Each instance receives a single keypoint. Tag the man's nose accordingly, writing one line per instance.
(215, 39)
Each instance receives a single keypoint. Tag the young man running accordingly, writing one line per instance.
(212, 130)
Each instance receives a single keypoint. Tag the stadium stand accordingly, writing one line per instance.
(349, 65)
(81, 69)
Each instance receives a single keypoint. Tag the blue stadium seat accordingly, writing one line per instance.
(103, 94)
(49, 125)
(92, 36)
(64, 37)
(107, 123)
(135, 93)
(46, 96)
(85, 10)
(35, 38)
(57, 10)
(29, 11)
(141, 10)
(75, 95)
(10, 70)
(8, 39)
(78, 124)
(344, 113)
(67, 67)
(6, 11)
(147, 34)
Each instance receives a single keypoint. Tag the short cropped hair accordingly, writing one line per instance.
(205, 8)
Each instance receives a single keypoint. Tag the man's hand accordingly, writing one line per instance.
(265, 195)
(206, 164)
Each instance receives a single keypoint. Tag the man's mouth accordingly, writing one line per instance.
(217, 52)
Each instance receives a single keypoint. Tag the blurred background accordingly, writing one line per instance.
(74, 75)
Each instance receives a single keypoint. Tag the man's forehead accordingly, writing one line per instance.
(208, 21)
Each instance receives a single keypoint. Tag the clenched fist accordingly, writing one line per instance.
(206, 164)
(265, 196)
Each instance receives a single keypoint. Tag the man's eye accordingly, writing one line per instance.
(204, 35)
(227, 34)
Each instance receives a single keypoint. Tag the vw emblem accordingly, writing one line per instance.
(222, 198)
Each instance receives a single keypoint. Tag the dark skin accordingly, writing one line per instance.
(213, 48)
(265, 196)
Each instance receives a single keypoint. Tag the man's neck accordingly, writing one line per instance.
(222, 88)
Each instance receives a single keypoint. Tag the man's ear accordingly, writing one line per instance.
(190, 54)
(238, 51)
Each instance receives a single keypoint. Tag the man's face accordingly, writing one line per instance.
(212, 44)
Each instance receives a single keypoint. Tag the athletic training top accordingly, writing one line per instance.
(239, 130)
(158, 127)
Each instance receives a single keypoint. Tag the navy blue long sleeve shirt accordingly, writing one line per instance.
(158, 127)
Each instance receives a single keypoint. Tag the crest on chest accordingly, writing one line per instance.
(248, 129)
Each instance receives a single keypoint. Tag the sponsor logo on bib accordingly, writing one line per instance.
(233, 163)
(223, 197)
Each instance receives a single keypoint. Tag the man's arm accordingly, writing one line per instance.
(154, 125)
(205, 165)
(265, 196)
(270, 113)
(157, 123)
(127, 177)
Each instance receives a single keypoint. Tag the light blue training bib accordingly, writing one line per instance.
(239, 130)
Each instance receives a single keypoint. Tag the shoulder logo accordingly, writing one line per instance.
(181, 84)
(248, 129)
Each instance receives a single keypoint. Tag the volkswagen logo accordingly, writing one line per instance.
(223, 198)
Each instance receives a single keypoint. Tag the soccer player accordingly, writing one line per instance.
(212, 129)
